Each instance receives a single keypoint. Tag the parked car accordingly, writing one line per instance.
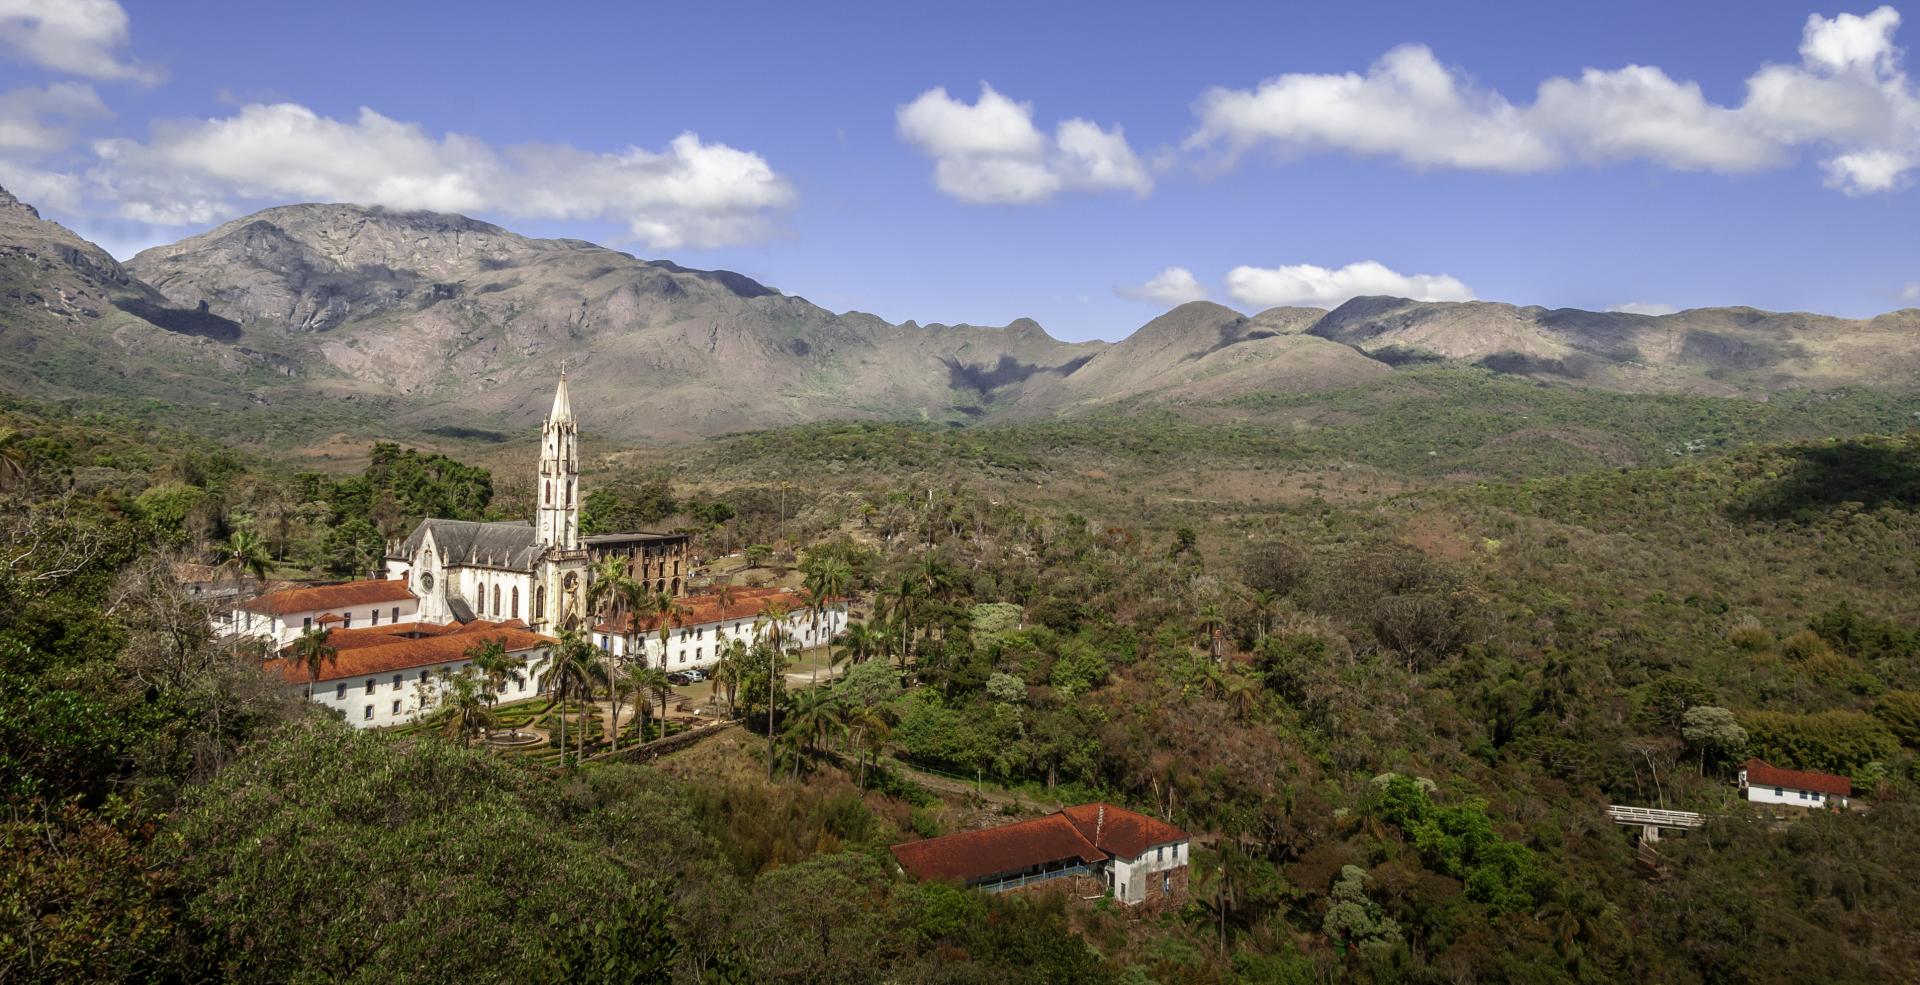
(695, 674)
(679, 679)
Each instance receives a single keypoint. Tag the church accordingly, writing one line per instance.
(463, 570)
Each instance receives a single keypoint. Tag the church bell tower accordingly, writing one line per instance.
(558, 489)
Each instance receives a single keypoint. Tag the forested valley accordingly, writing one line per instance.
(1391, 697)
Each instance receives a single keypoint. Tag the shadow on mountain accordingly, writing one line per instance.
(466, 433)
(1864, 474)
(984, 379)
(199, 322)
(1522, 364)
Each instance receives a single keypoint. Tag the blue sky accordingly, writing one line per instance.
(824, 166)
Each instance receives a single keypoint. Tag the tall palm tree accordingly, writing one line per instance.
(728, 669)
(464, 707)
(312, 651)
(815, 715)
(672, 615)
(770, 627)
(827, 579)
(495, 664)
(869, 726)
(652, 683)
(571, 673)
(860, 642)
(245, 551)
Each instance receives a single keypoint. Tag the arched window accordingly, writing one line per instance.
(676, 586)
(549, 487)
(540, 602)
(496, 600)
(516, 602)
(569, 493)
(480, 598)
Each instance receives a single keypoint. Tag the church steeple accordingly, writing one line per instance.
(558, 523)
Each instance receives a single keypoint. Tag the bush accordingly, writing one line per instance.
(1831, 741)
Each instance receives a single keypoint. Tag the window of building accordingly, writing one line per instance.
(396, 682)
(540, 602)
(396, 706)
(306, 623)
(1778, 792)
(369, 685)
(423, 676)
(1160, 854)
(366, 713)
(346, 621)
(375, 613)
(496, 600)
(516, 602)
(549, 486)
(340, 691)
(396, 613)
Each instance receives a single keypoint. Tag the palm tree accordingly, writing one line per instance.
(575, 661)
(816, 714)
(671, 615)
(312, 651)
(826, 580)
(245, 551)
(651, 682)
(464, 706)
(770, 627)
(495, 664)
(727, 670)
(870, 726)
(860, 642)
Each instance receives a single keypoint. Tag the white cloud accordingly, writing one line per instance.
(691, 193)
(1407, 105)
(990, 151)
(79, 37)
(1644, 308)
(37, 120)
(1170, 287)
(1848, 97)
(41, 188)
(1320, 287)
(1911, 292)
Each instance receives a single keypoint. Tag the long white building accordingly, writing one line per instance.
(393, 674)
(703, 625)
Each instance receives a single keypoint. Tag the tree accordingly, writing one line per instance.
(869, 725)
(570, 672)
(1354, 917)
(464, 708)
(650, 683)
(827, 579)
(1713, 731)
(816, 714)
(728, 666)
(245, 552)
(312, 651)
(859, 642)
(495, 664)
(771, 626)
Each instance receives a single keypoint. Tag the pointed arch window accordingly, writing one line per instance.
(515, 612)
(496, 600)
(540, 602)
(549, 485)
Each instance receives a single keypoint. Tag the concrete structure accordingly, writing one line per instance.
(536, 572)
(659, 561)
(707, 623)
(394, 674)
(1650, 820)
(1093, 849)
(1763, 783)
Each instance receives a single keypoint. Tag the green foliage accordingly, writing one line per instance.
(1829, 741)
(429, 484)
(1459, 841)
(1354, 917)
(633, 506)
(1900, 712)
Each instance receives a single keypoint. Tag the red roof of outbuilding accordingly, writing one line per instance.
(322, 598)
(1121, 832)
(972, 855)
(1761, 773)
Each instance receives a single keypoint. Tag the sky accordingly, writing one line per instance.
(1087, 168)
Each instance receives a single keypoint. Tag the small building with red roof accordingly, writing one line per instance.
(1764, 783)
(1105, 851)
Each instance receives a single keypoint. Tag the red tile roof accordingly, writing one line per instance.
(320, 598)
(1086, 833)
(383, 651)
(1761, 773)
(974, 855)
(700, 610)
(1121, 832)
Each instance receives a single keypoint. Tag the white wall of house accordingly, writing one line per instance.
(282, 630)
(400, 697)
(1132, 876)
(1789, 795)
(700, 645)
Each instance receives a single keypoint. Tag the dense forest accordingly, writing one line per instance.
(1391, 696)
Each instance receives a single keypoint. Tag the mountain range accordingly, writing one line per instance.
(420, 322)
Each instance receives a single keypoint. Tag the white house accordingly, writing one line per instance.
(703, 626)
(280, 617)
(1764, 783)
(393, 674)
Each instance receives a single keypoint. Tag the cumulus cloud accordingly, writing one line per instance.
(40, 119)
(1644, 308)
(989, 151)
(41, 188)
(78, 37)
(1321, 287)
(1848, 97)
(1170, 287)
(691, 193)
